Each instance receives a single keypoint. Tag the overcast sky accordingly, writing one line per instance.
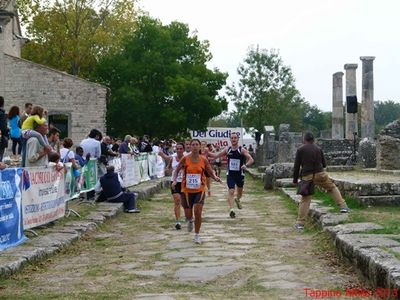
(314, 37)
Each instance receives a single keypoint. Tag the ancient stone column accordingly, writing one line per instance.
(337, 106)
(367, 97)
(351, 90)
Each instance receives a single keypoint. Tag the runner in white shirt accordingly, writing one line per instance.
(173, 161)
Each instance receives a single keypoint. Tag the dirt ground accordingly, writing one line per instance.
(257, 255)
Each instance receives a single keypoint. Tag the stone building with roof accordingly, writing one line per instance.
(75, 105)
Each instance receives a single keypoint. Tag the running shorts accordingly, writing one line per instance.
(177, 189)
(232, 180)
(193, 199)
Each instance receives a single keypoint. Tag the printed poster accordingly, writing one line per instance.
(11, 222)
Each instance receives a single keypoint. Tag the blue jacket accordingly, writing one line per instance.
(110, 185)
(15, 130)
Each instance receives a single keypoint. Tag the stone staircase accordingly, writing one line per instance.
(370, 193)
(336, 158)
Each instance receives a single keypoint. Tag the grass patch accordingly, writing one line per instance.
(384, 216)
(289, 204)
(327, 200)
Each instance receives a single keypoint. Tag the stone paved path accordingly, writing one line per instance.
(255, 256)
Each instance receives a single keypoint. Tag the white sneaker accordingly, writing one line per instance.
(190, 226)
(196, 239)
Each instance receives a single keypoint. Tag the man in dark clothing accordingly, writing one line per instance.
(3, 129)
(106, 148)
(144, 145)
(312, 162)
(110, 186)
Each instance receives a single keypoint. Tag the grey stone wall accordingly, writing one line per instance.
(288, 143)
(11, 29)
(267, 152)
(337, 152)
(388, 147)
(367, 153)
(58, 92)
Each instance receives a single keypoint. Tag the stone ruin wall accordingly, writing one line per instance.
(388, 147)
(82, 101)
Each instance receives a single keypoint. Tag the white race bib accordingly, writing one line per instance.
(193, 181)
(234, 164)
(179, 177)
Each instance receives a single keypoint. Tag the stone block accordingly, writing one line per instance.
(367, 153)
(351, 228)
(283, 170)
(269, 179)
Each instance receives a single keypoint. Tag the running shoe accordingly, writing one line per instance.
(190, 226)
(196, 239)
(232, 214)
(238, 203)
(132, 211)
(298, 226)
(345, 210)
(178, 226)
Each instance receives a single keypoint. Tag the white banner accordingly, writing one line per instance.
(142, 162)
(218, 136)
(152, 159)
(160, 167)
(129, 170)
(43, 196)
(116, 162)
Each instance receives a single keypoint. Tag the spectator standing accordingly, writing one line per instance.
(124, 147)
(133, 146)
(91, 145)
(67, 155)
(251, 149)
(106, 150)
(144, 145)
(27, 130)
(15, 130)
(92, 149)
(79, 156)
(36, 117)
(54, 139)
(312, 162)
(36, 153)
(116, 144)
(27, 112)
(3, 129)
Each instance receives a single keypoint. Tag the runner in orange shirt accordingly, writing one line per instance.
(194, 166)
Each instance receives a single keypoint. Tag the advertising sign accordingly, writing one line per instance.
(11, 224)
(43, 196)
(218, 136)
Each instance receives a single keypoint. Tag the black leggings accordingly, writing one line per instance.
(15, 142)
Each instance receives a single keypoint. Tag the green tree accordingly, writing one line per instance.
(71, 35)
(226, 119)
(385, 112)
(265, 93)
(315, 119)
(160, 82)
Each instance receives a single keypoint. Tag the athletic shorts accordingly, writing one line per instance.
(217, 163)
(237, 180)
(193, 199)
(177, 189)
(206, 174)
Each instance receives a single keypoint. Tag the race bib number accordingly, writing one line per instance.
(179, 177)
(234, 164)
(193, 181)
